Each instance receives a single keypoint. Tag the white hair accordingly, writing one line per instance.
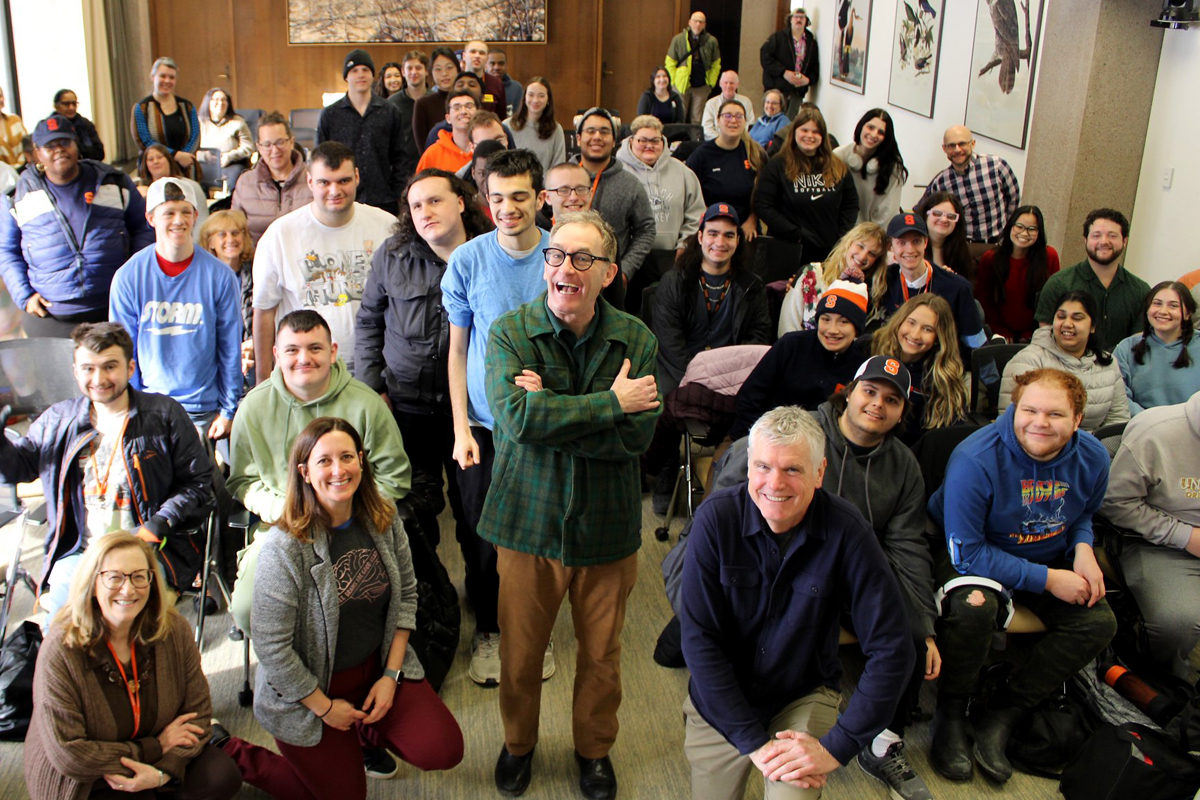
(787, 426)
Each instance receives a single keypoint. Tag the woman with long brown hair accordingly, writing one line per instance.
(533, 125)
(335, 600)
(806, 194)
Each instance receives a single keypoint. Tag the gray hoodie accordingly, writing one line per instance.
(623, 203)
(675, 196)
(885, 484)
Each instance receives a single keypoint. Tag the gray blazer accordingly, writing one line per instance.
(295, 622)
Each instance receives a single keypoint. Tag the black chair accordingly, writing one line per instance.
(647, 313)
(252, 116)
(683, 132)
(210, 167)
(305, 117)
(987, 367)
(306, 138)
(774, 259)
(1110, 436)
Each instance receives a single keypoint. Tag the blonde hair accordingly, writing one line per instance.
(943, 384)
(224, 221)
(835, 262)
(80, 620)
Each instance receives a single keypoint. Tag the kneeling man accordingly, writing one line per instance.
(769, 565)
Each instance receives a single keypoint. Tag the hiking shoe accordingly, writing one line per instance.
(485, 659)
(894, 772)
(548, 665)
(378, 763)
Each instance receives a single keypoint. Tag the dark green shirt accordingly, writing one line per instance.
(1120, 305)
(575, 347)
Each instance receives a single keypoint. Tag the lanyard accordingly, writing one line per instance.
(712, 305)
(102, 482)
(595, 183)
(928, 287)
(132, 687)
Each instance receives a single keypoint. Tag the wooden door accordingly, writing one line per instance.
(635, 36)
(202, 44)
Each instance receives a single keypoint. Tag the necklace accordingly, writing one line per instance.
(713, 304)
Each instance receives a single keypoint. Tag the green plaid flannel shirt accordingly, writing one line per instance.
(566, 481)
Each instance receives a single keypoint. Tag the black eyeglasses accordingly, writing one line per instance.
(581, 261)
(566, 191)
(115, 579)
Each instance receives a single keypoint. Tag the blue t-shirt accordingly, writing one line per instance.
(482, 282)
(73, 200)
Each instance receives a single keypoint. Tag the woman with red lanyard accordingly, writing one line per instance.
(335, 600)
(912, 274)
(122, 705)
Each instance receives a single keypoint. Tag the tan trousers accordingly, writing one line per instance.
(531, 591)
(719, 771)
(694, 99)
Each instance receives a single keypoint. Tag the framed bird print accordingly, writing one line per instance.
(851, 36)
(1002, 69)
(916, 51)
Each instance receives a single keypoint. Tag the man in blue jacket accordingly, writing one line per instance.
(113, 459)
(769, 564)
(183, 309)
(70, 225)
(1017, 506)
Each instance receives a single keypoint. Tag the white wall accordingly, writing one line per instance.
(1162, 238)
(919, 137)
(51, 55)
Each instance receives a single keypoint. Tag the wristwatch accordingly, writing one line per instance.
(394, 674)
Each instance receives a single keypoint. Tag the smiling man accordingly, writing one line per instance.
(1016, 507)
(790, 60)
(912, 274)
(986, 185)
(769, 563)
(571, 382)
(568, 189)
(1119, 294)
(67, 229)
(484, 278)
(318, 256)
(452, 149)
(729, 85)
(183, 309)
(162, 476)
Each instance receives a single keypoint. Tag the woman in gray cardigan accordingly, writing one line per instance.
(335, 600)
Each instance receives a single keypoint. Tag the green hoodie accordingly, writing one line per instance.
(269, 419)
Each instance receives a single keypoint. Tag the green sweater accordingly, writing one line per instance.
(565, 481)
(269, 419)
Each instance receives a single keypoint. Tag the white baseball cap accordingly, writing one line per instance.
(155, 196)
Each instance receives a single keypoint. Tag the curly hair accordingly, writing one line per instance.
(943, 382)
(404, 233)
(1061, 379)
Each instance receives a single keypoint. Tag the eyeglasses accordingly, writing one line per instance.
(598, 131)
(733, 117)
(949, 215)
(115, 579)
(581, 261)
(956, 145)
(1027, 228)
(566, 191)
(457, 107)
(278, 144)
(653, 142)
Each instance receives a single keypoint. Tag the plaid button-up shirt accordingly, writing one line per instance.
(566, 482)
(989, 193)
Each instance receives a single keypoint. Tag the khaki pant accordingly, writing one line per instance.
(693, 101)
(531, 591)
(719, 771)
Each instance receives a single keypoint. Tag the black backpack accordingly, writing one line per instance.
(1130, 761)
(18, 657)
(435, 640)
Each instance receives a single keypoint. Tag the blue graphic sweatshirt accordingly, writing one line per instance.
(187, 330)
(1007, 515)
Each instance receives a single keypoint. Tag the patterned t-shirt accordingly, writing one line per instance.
(106, 496)
(364, 593)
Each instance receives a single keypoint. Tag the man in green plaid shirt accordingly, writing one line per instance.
(570, 381)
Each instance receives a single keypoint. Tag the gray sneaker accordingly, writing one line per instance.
(548, 665)
(485, 659)
(894, 772)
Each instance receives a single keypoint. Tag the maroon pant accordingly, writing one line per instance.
(418, 728)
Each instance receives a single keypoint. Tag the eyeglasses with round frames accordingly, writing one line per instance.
(581, 261)
(578, 191)
(115, 579)
(1017, 226)
(949, 215)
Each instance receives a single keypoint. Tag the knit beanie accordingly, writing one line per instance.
(357, 58)
(596, 111)
(849, 300)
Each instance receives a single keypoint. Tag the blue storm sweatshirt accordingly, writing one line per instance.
(1007, 515)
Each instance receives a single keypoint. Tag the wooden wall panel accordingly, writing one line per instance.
(266, 72)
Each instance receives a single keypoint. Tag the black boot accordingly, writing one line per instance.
(951, 752)
(991, 740)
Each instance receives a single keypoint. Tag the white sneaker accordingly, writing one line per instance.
(548, 665)
(485, 659)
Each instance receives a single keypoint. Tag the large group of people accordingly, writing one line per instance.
(437, 305)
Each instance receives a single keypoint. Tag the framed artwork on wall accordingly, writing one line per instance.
(418, 21)
(851, 38)
(916, 51)
(1002, 69)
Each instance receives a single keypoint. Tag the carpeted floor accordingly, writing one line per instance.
(648, 755)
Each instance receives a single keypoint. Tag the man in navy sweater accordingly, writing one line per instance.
(1018, 520)
(768, 567)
